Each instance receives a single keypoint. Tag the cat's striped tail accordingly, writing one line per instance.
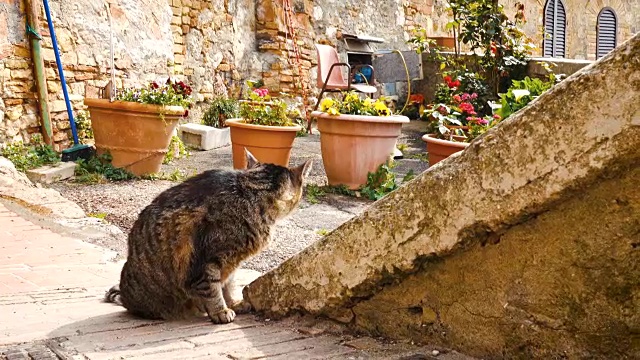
(113, 295)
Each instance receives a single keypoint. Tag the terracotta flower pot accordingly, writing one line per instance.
(269, 144)
(355, 145)
(439, 149)
(136, 135)
(447, 42)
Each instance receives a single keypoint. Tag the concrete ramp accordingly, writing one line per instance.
(526, 245)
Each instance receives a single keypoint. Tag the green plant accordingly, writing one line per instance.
(83, 125)
(498, 44)
(521, 93)
(383, 181)
(353, 104)
(402, 147)
(99, 169)
(314, 192)
(170, 93)
(30, 156)
(262, 109)
(220, 109)
(177, 149)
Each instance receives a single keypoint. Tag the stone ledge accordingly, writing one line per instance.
(204, 137)
(51, 173)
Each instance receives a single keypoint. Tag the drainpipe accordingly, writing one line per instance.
(33, 30)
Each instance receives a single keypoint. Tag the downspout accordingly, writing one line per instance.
(33, 30)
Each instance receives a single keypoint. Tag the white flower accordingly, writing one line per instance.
(520, 93)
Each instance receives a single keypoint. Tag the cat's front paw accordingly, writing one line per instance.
(223, 317)
(242, 307)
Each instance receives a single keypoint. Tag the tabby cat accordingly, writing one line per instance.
(185, 245)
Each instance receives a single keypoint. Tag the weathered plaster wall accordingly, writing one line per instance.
(582, 16)
(555, 158)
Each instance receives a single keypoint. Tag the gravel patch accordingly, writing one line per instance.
(120, 203)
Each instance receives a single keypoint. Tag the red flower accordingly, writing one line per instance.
(468, 108)
(454, 84)
(447, 79)
(494, 48)
(154, 85)
(416, 98)
(457, 98)
(497, 117)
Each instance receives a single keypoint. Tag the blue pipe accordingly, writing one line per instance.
(74, 132)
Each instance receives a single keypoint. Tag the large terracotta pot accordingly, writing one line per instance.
(439, 149)
(137, 135)
(269, 144)
(355, 145)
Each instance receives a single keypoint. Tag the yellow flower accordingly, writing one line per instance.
(381, 108)
(351, 97)
(368, 102)
(326, 104)
(332, 111)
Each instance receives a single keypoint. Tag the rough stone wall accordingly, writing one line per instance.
(205, 42)
(577, 149)
(540, 274)
(215, 45)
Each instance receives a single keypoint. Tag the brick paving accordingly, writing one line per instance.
(51, 288)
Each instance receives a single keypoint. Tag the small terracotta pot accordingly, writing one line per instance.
(269, 144)
(447, 42)
(439, 149)
(355, 145)
(136, 135)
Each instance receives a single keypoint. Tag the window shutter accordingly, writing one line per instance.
(606, 32)
(555, 28)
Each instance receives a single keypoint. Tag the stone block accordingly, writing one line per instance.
(204, 137)
(48, 174)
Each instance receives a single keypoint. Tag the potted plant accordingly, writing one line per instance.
(213, 131)
(356, 136)
(266, 128)
(137, 127)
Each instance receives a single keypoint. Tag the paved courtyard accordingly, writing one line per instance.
(51, 287)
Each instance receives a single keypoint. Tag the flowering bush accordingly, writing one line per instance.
(454, 124)
(262, 109)
(352, 104)
(171, 93)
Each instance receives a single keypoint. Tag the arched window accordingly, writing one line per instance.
(607, 31)
(555, 29)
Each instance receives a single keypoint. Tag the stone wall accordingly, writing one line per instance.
(215, 45)
(524, 245)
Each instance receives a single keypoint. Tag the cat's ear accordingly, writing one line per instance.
(251, 160)
(303, 170)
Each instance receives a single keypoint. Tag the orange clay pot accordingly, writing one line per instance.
(136, 135)
(439, 149)
(355, 145)
(446, 42)
(269, 144)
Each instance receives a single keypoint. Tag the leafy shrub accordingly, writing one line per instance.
(219, 111)
(99, 169)
(30, 156)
